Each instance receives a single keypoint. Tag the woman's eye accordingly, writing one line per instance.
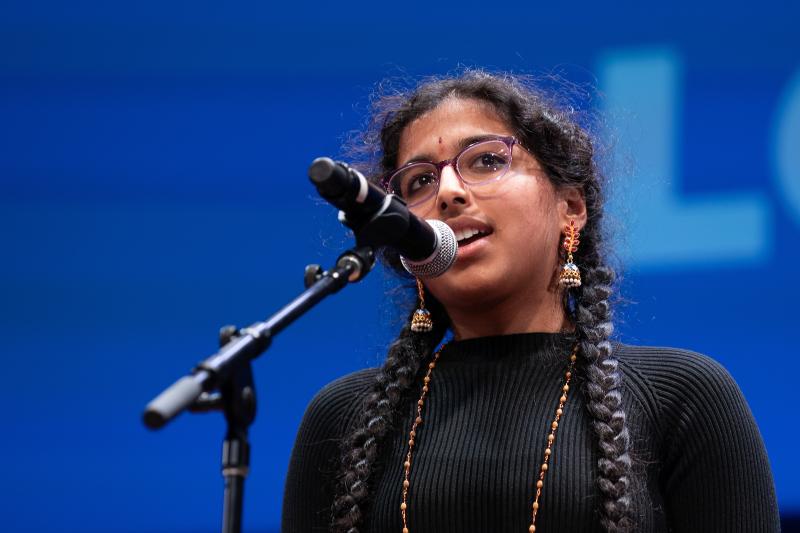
(418, 182)
(489, 161)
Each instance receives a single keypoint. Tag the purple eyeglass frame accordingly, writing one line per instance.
(509, 141)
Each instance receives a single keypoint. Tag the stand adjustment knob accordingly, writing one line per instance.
(312, 274)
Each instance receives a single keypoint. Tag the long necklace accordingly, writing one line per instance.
(548, 450)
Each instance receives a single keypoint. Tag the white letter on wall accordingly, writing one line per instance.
(660, 228)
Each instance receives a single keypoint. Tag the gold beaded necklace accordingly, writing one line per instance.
(548, 450)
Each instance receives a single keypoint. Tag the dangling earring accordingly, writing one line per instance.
(570, 275)
(421, 321)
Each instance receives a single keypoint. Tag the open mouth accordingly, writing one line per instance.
(471, 236)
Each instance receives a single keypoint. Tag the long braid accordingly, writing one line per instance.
(593, 328)
(360, 449)
(603, 391)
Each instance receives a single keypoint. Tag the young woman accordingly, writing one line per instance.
(529, 418)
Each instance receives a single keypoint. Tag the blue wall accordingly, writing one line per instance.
(152, 189)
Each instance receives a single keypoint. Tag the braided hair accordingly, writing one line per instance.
(566, 152)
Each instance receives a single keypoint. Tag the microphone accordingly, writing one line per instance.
(427, 248)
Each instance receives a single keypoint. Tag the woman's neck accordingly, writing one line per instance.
(544, 314)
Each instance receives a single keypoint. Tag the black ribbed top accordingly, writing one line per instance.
(700, 460)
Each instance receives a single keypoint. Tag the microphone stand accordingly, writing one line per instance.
(224, 381)
(237, 399)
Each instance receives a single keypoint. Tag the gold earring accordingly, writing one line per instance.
(570, 275)
(421, 320)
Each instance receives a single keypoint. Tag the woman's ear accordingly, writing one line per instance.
(572, 206)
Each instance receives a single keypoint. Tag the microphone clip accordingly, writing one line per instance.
(386, 226)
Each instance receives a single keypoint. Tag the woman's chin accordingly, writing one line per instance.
(473, 286)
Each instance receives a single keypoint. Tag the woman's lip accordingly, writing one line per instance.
(472, 249)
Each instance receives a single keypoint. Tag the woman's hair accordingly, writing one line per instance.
(566, 152)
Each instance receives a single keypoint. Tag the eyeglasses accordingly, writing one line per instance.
(480, 163)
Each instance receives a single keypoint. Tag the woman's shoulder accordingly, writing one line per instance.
(676, 386)
(338, 400)
(673, 364)
(672, 370)
(706, 441)
(315, 456)
(346, 387)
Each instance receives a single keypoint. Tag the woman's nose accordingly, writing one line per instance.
(451, 189)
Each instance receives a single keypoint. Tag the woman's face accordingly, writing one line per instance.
(523, 213)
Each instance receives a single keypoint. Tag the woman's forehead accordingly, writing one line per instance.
(440, 132)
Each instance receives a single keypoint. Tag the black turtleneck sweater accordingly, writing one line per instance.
(699, 460)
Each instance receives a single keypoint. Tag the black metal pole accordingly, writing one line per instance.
(234, 472)
(239, 404)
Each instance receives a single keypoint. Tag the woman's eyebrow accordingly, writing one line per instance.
(462, 143)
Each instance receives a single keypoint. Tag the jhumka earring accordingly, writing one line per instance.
(421, 321)
(570, 275)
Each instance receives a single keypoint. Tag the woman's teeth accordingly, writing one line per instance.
(468, 233)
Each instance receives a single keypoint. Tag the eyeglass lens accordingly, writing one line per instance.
(480, 163)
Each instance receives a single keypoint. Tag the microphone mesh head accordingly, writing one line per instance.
(441, 259)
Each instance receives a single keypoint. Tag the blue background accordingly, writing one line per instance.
(153, 188)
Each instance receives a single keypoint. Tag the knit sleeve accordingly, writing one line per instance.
(715, 472)
(308, 493)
